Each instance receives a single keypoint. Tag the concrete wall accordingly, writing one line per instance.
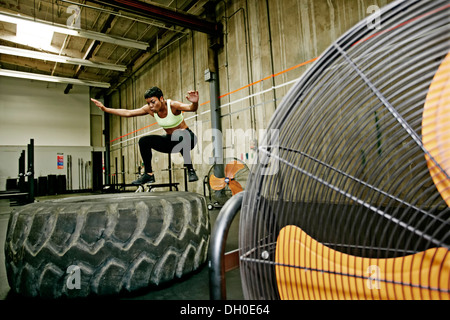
(266, 46)
(41, 110)
(59, 124)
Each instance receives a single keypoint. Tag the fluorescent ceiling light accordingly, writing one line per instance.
(60, 59)
(17, 19)
(41, 77)
(34, 35)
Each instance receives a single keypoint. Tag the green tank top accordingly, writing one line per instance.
(170, 121)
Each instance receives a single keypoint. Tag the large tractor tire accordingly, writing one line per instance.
(105, 244)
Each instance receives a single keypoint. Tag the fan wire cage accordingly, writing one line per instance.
(352, 199)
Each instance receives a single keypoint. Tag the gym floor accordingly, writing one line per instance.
(193, 287)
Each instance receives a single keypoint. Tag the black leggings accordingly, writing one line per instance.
(182, 141)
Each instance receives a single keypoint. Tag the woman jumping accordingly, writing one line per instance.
(169, 115)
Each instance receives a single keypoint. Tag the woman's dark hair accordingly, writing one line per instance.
(153, 92)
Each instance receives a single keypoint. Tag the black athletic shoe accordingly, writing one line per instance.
(143, 179)
(192, 175)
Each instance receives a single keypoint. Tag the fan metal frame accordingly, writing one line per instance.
(352, 166)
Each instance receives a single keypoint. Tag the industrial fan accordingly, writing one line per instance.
(233, 181)
(358, 206)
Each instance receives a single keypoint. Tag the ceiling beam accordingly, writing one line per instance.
(164, 14)
(11, 18)
(42, 77)
(57, 58)
(90, 50)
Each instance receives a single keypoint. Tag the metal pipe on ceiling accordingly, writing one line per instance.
(120, 15)
(164, 14)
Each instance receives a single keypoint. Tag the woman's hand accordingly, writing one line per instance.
(99, 104)
(192, 96)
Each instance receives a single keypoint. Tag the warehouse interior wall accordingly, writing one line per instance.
(59, 124)
(266, 46)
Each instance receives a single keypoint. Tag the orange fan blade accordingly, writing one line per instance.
(235, 187)
(435, 129)
(217, 183)
(232, 168)
(307, 269)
